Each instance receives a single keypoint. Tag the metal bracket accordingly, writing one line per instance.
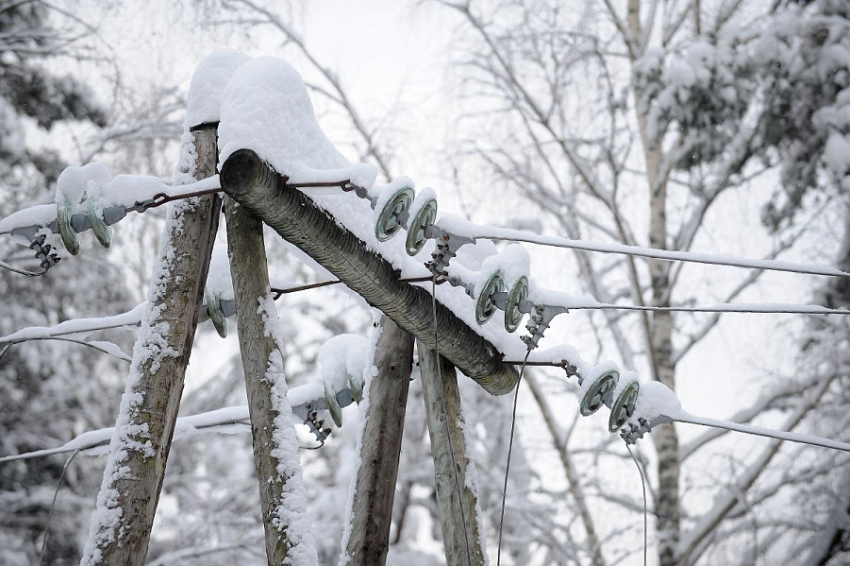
(447, 246)
(631, 433)
(43, 252)
(308, 412)
(541, 317)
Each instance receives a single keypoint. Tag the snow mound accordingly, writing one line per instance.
(266, 108)
(656, 400)
(208, 83)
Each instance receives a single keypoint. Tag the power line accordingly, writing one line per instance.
(510, 235)
(811, 440)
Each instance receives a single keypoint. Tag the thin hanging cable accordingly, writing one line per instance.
(13, 269)
(278, 291)
(744, 308)
(446, 420)
(643, 486)
(508, 464)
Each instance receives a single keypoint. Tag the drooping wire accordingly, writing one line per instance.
(460, 498)
(508, 464)
(53, 505)
(13, 269)
(643, 486)
(720, 308)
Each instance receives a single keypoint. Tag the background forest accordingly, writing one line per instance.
(716, 126)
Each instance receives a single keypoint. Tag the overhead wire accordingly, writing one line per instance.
(508, 463)
(438, 363)
(643, 486)
(811, 440)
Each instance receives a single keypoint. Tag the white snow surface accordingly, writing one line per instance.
(123, 190)
(218, 280)
(595, 371)
(655, 400)
(266, 108)
(471, 483)
(465, 228)
(625, 379)
(369, 372)
(80, 326)
(290, 511)
(343, 356)
(206, 89)
(74, 182)
(150, 348)
(221, 421)
(38, 215)
(837, 153)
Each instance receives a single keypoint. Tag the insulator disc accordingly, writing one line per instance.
(513, 314)
(356, 387)
(67, 233)
(623, 406)
(485, 305)
(388, 223)
(333, 406)
(425, 217)
(102, 230)
(601, 387)
(216, 314)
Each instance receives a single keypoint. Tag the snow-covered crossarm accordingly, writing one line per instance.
(296, 218)
(657, 404)
(306, 400)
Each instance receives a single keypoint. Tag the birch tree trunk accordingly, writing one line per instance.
(282, 498)
(371, 513)
(660, 347)
(126, 504)
(457, 497)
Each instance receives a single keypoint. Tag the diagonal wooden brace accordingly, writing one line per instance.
(253, 184)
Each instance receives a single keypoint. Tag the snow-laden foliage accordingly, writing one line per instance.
(49, 391)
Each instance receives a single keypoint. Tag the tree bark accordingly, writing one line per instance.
(371, 514)
(126, 504)
(660, 347)
(297, 219)
(279, 477)
(457, 498)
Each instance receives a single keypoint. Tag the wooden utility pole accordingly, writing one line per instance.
(126, 504)
(457, 501)
(252, 183)
(277, 477)
(371, 513)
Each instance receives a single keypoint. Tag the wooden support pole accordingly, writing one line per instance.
(278, 478)
(372, 509)
(457, 500)
(126, 504)
(252, 183)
